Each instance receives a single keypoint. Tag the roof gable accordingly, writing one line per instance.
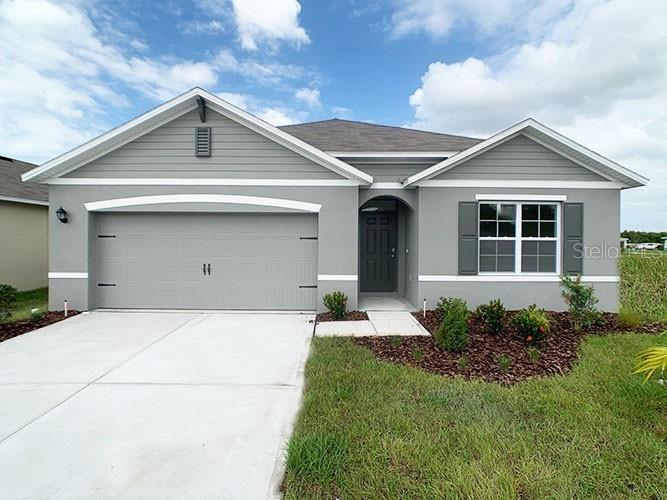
(173, 109)
(547, 137)
(350, 136)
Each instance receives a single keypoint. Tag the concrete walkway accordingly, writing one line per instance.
(150, 405)
(380, 323)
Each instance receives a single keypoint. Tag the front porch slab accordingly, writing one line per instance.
(380, 323)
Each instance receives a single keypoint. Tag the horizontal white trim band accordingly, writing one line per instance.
(72, 181)
(24, 200)
(393, 154)
(386, 185)
(66, 275)
(203, 198)
(514, 278)
(337, 277)
(522, 197)
(483, 183)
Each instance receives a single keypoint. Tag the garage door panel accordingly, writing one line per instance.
(258, 261)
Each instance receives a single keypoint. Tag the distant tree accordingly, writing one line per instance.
(644, 236)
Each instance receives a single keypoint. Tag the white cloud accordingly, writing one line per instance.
(270, 74)
(197, 27)
(277, 117)
(60, 74)
(311, 97)
(597, 74)
(341, 112)
(261, 22)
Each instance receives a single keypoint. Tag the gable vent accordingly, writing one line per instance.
(202, 141)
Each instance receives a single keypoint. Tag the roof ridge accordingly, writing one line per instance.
(384, 126)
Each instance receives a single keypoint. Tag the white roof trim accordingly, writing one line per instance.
(202, 198)
(399, 154)
(628, 177)
(521, 197)
(196, 181)
(172, 109)
(24, 200)
(532, 184)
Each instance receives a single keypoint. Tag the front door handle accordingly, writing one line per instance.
(393, 253)
(209, 269)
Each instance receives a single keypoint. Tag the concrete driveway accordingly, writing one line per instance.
(150, 404)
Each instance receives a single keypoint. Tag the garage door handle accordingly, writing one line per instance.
(203, 266)
(209, 269)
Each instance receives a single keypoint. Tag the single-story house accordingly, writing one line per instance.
(23, 226)
(200, 204)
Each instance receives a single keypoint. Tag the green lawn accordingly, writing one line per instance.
(31, 299)
(644, 285)
(370, 429)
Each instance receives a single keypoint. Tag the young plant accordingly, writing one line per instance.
(504, 362)
(533, 354)
(417, 354)
(443, 304)
(629, 319)
(7, 302)
(463, 363)
(452, 334)
(336, 302)
(492, 315)
(395, 341)
(581, 302)
(652, 360)
(531, 323)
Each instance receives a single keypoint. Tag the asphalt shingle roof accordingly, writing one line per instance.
(11, 184)
(351, 136)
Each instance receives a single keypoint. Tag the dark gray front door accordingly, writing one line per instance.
(378, 251)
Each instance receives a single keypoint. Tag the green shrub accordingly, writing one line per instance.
(504, 362)
(395, 341)
(417, 354)
(443, 304)
(7, 302)
(492, 315)
(463, 363)
(531, 323)
(452, 334)
(336, 302)
(581, 302)
(37, 314)
(629, 319)
(533, 354)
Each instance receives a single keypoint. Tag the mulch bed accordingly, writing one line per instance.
(16, 328)
(349, 316)
(558, 351)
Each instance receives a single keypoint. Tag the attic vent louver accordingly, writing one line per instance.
(202, 141)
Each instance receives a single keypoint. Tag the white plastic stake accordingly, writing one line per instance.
(424, 308)
(65, 307)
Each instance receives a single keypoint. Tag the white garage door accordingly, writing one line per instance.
(206, 261)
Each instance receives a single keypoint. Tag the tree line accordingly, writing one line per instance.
(644, 236)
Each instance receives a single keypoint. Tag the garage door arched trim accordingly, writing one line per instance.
(301, 206)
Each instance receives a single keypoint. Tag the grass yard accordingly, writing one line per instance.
(31, 299)
(370, 429)
(644, 285)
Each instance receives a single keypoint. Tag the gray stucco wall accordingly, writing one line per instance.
(438, 247)
(23, 245)
(71, 249)
(392, 170)
(520, 158)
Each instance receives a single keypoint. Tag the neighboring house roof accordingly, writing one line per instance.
(348, 136)
(172, 109)
(549, 138)
(13, 189)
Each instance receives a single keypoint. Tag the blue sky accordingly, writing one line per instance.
(595, 70)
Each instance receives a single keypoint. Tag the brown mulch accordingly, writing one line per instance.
(349, 316)
(16, 328)
(558, 351)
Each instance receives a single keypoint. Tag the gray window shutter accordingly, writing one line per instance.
(202, 141)
(468, 237)
(573, 238)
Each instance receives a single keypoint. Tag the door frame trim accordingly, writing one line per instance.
(302, 206)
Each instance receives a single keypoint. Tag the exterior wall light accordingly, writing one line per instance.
(61, 213)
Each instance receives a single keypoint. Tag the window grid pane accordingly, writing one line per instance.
(538, 221)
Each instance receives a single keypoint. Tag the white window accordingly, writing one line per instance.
(519, 237)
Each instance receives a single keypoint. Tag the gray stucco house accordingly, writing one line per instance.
(199, 204)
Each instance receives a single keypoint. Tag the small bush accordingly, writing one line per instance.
(417, 354)
(336, 302)
(395, 341)
(37, 315)
(452, 334)
(7, 302)
(463, 363)
(531, 323)
(492, 315)
(629, 319)
(581, 302)
(504, 362)
(443, 304)
(533, 354)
